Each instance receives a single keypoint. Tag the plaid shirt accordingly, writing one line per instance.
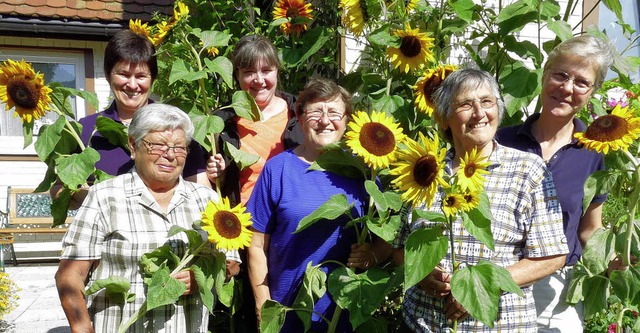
(527, 223)
(118, 223)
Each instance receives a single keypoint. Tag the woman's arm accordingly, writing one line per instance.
(70, 280)
(590, 222)
(527, 271)
(258, 269)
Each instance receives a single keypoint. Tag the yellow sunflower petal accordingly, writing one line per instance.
(472, 168)
(375, 138)
(140, 28)
(428, 84)
(181, 12)
(414, 52)
(419, 169)
(21, 87)
(611, 132)
(227, 227)
(353, 16)
(294, 10)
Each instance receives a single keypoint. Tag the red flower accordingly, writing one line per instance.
(612, 328)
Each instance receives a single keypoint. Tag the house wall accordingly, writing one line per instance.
(21, 167)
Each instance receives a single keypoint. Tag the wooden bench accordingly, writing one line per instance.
(27, 213)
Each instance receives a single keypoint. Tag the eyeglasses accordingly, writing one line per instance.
(315, 115)
(580, 86)
(466, 105)
(154, 148)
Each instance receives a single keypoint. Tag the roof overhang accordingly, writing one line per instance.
(59, 28)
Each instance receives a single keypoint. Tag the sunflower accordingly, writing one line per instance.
(227, 227)
(354, 15)
(374, 138)
(213, 51)
(181, 12)
(420, 169)
(428, 84)
(452, 203)
(471, 200)
(162, 29)
(22, 88)
(472, 168)
(411, 5)
(414, 51)
(613, 131)
(140, 28)
(298, 12)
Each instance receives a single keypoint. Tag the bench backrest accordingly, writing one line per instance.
(27, 207)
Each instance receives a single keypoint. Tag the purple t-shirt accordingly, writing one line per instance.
(285, 193)
(570, 167)
(116, 160)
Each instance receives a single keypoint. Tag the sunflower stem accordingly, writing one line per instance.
(68, 127)
(633, 204)
(189, 256)
(454, 264)
(213, 138)
(362, 235)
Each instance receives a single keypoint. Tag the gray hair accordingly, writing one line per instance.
(459, 81)
(589, 48)
(159, 117)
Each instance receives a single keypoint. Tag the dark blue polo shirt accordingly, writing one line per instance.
(570, 167)
(116, 160)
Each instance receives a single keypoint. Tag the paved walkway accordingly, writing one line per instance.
(39, 309)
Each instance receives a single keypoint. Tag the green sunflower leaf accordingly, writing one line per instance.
(424, 249)
(335, 207)
(273, 315)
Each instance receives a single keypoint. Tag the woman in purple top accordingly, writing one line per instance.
(574, 70)
(287, 191)
(130, 67)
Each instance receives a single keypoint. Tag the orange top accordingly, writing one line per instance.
(263, 139)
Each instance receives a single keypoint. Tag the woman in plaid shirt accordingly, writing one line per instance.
(527, 220)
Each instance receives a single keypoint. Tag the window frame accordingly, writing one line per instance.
(13, 145)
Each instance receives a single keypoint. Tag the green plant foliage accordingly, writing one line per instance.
(314, 286)
(360, 293)
(478, 288)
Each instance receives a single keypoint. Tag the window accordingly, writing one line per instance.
(66, 68)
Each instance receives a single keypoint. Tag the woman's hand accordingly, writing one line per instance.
(454, 310)
(233, 268)
(215, 167)
(188, 279)
(437, 283)
(362, 256)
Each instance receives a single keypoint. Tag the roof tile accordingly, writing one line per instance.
(94, 10)
(51, 3)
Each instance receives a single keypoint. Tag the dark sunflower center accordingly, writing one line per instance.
(227, 224)
(377, 139)
(425, 170)
(293, 12)
(410, 46)
(607, 128)
(365, 10)
(23, 93)
(431, 86)
(450, 201)
(468, 198)
(470, 170)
